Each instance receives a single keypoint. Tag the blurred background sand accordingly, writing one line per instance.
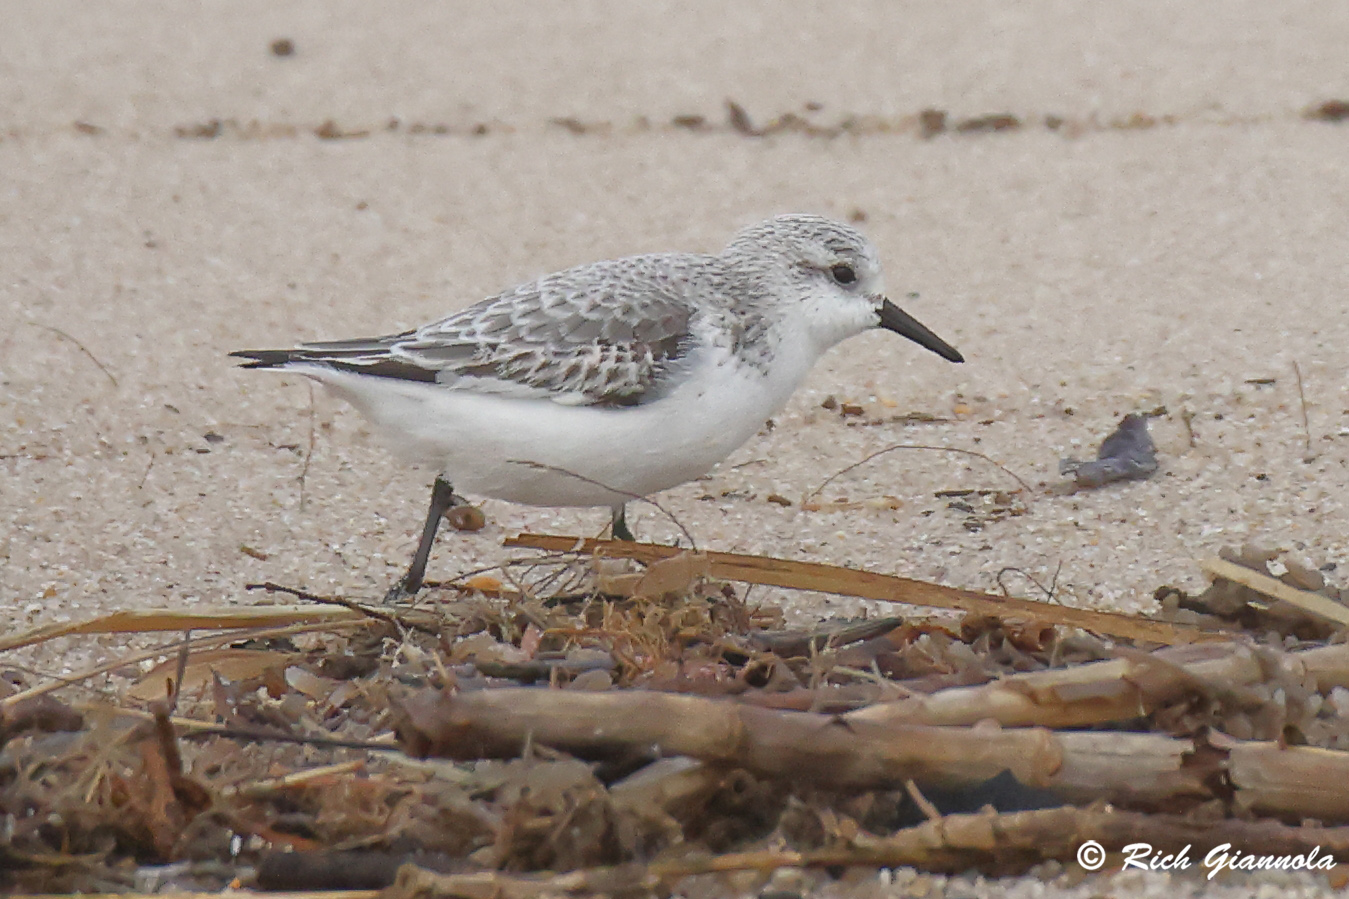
(1166, 230)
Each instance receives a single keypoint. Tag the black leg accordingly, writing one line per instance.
(619, 525)
(442, 500)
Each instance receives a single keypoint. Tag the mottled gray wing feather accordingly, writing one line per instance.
(605, 334)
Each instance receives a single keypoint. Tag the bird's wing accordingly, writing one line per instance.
(604, 334)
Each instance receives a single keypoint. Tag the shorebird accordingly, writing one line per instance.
(614, 380)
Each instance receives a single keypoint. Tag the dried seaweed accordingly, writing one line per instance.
(619, 718)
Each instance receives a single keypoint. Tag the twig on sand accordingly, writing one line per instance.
(1302, 400)
(309, 454)
(83, 349)
(145, 477)
(326, 600)
(1047, 591)
(261, 735)
(184, 650)
(914, 446)
(635, 497)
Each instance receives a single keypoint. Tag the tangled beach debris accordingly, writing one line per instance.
(617, 717)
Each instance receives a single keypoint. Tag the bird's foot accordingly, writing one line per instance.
(401, 591)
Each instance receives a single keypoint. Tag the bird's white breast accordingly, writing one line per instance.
(539, 452)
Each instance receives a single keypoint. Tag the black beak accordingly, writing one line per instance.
(895, 319)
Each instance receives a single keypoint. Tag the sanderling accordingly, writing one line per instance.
(610, 381)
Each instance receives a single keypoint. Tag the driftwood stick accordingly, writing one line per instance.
(1312, 603)
(1003, 843)
(1115, 690)
(1014, 841)
(1289, 781)
(419, 883)
(825, 750)
(848, 752)
(817, 748)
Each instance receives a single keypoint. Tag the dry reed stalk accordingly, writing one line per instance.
(885, 588)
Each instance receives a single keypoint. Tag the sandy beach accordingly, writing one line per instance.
(1132, 208)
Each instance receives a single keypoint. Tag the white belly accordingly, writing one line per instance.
(538, 452)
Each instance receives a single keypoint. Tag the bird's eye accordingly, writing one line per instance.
(843, 274)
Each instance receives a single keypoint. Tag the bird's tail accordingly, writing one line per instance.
(364, 356)
(268, 358)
